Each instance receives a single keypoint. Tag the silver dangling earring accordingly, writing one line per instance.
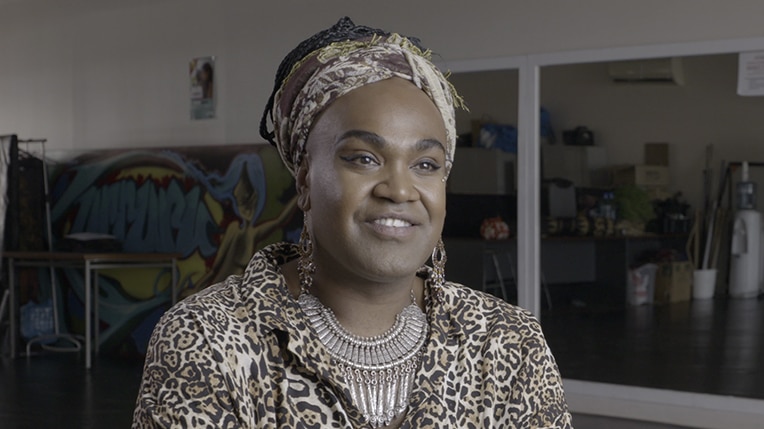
(305, 265)
(438, 273)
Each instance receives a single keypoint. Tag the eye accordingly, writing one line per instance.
(360, 159)
(365, 159)
(427, 165)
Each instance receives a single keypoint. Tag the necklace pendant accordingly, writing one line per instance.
(379, 371)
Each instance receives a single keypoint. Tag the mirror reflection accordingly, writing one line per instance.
(649, 178)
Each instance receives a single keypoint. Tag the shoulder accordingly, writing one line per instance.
(477, 305)
(475, 312)
(254, 299)
(201, 315)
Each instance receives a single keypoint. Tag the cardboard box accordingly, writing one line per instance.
(657, 154)
(673, 282)
(641, 175)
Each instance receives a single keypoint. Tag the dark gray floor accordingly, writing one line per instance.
(714, 346)
(710, 347)
(55, 391)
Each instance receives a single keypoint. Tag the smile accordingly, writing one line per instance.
(393, 223)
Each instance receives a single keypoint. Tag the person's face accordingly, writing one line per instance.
(373, 183)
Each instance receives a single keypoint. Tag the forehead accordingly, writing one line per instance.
(395, 109)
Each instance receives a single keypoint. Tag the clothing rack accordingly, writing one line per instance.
(17, 149)
(4, 176)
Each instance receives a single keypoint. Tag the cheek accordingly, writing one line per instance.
(333, 193)
(435, 201)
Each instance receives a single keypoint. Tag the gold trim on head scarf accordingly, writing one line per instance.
(334, 70)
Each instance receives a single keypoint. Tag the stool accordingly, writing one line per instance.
(3, 305)
(490, 287)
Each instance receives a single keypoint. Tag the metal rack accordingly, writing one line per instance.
(11, 157)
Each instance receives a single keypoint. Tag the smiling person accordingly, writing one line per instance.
(351, 328)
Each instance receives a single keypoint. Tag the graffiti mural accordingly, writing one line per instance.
(214, 205)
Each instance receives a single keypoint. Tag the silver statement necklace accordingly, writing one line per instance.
(379, 370)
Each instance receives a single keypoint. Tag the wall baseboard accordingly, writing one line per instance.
(695, 410)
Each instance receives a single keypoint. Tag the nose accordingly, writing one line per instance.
(397, 185)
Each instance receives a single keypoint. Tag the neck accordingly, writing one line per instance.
(367, 309)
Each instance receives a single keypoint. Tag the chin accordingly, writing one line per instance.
(396, 264)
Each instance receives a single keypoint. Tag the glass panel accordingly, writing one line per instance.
(482, 203)
(637, 161)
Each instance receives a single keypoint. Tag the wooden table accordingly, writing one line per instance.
(90, 263)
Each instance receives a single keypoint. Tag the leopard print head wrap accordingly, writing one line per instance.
(333, 70)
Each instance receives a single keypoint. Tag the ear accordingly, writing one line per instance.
(302, 182)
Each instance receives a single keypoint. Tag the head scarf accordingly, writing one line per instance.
(330, 72)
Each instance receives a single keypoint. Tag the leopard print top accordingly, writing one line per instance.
(240, 354)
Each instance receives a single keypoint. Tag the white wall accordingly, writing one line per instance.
(108, 73)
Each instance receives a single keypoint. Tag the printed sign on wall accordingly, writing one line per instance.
(202, 75)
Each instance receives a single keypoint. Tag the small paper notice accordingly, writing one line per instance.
(750, 76)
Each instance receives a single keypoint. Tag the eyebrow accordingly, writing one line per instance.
(367, 136)
(379, 141)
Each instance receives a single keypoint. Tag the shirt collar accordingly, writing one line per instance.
(268, 288)
(265, 267)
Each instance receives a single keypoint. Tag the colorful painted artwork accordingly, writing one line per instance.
(215, 205)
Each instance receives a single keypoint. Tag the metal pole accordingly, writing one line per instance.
(528, 190)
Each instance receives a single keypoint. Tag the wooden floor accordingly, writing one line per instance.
(712, 347)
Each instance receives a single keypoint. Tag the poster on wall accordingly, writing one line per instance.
(202, 76)
(750, 80)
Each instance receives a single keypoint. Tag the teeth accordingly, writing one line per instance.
(395, 223)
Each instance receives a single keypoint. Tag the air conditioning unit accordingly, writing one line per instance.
(654, 70)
